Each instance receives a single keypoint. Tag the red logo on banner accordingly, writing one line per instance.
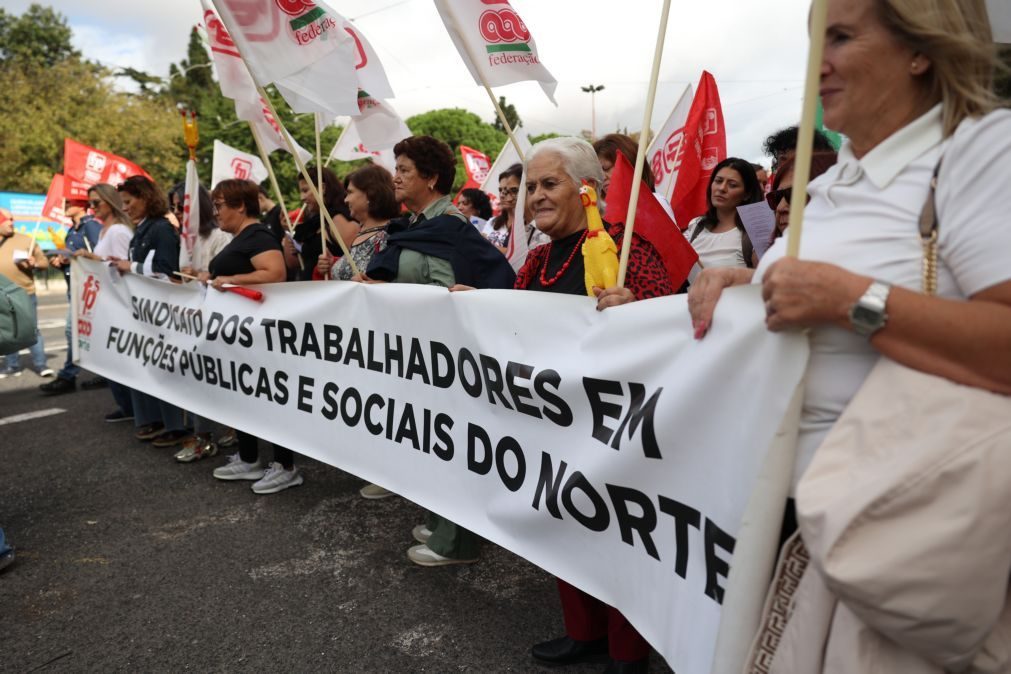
(362, 59)
(703, 147)
(295, 7)
(221, 41)
(242, 169)
(85, 166)
(89, 295)
(504, 25)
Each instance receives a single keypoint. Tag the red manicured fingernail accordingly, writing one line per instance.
(700, 329)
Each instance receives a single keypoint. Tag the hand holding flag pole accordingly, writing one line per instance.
(640, 156)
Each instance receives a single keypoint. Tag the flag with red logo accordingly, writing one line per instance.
(84, 166)
(52, 209)
(230, 163)
(372, 134)
(236, 84)
(663, 151)
(651, 222)
(299, 46)
(190, 225)
(476, 164)
(495, 43)
(704, 146)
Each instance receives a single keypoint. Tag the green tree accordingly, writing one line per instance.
(40, 36)
(458, 127)
(509, 110)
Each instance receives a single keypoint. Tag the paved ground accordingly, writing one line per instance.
(129, 561)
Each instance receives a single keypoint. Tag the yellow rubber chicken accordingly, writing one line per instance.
(600, 255)
(58, 237)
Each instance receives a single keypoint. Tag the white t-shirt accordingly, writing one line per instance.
(114, 242)
(864, 216)
(204, 249)
(716, 250)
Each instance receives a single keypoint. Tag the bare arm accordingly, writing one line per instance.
(268, 268)
(963, 340)
(706, 291)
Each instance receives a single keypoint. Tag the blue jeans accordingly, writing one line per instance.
(150, 410)
(70, 370)
(38, 349)
(121, 394)
(4, 548)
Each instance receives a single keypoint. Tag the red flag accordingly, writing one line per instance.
(85, 166)
(53, 208)
(704, 146)
(651, 222)
(476, 164)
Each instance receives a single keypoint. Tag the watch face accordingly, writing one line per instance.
(867, 318)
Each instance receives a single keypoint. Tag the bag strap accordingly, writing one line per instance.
(928, 235)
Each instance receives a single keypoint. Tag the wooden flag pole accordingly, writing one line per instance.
(324, 214)
(265, 158)
(640, 156)
(805, 136)
(491, 95)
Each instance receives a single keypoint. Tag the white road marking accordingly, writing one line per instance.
(28, 416)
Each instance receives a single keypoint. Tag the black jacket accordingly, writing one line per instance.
(159, 235)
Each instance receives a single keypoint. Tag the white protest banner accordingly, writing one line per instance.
(231, 163)
(368, 68)
(494, 43)
(662, 153)
(190, 226)
(299, 46)
(237, 84)
(609, 448)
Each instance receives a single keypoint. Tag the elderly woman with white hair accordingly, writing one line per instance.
(556, 169)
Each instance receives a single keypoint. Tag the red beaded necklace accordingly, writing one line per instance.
(546, 282)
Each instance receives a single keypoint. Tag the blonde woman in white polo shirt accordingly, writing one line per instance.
(909, 82)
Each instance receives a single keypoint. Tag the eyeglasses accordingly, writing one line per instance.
(508, 191)
(773, 198)
(94, 203)
(178, 207)
(218, 205)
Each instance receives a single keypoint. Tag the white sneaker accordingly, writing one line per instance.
(374, 491)
(421, 533)
(422, 555)
(46, 372)
(277, 479)
(237, 469)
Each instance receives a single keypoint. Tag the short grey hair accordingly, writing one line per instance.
(578, 157)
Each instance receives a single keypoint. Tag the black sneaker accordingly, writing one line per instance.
(6, 559)
(118, 415)
(58, 386)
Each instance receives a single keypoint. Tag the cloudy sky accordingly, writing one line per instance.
(755, 50)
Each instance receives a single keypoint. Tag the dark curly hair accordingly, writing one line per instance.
(145, 189)
(784, 141)
(432, 158)
(480, 201)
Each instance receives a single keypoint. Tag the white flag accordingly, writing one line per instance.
(663, 151)
(236, 84)
(516, 251)
(231, 163)
(506, 158)
(495, 43)
(370, 71)
(190, 225)
(1000, 20)
(299, 46)
(350, 147)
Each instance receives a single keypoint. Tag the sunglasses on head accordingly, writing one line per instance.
(774, 197)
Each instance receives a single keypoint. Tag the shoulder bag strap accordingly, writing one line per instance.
(928, 235)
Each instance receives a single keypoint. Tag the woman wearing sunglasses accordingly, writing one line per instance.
(782, 189)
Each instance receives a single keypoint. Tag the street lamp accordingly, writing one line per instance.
(592, 90)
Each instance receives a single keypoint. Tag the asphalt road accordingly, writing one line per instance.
(129, 561)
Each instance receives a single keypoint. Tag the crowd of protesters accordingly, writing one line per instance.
(903, 100)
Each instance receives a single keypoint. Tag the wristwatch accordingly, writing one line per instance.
(868, 315)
